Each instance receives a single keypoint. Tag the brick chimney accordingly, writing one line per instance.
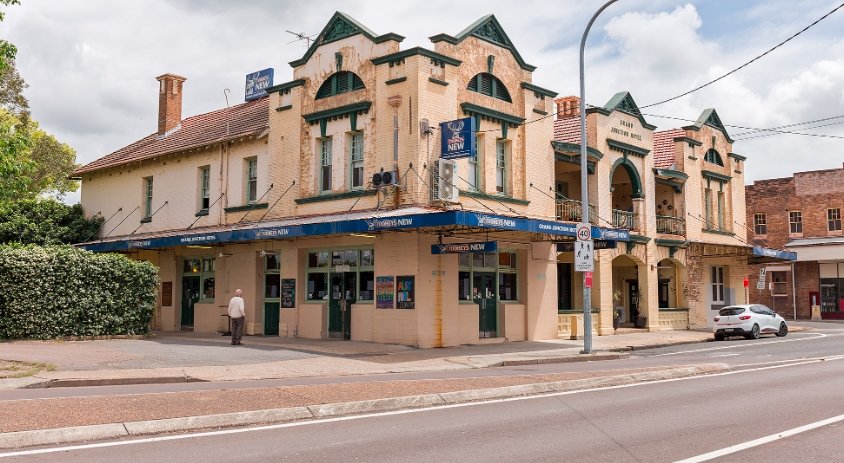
(169, 102)
(567, 107)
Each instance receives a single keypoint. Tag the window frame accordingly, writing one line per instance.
(795, 222)
(251, 180)
(356, 160)
(833, 219)
(501, 166)
(489, 85)
(204, 188)
(325, 161)
(717, 284)
(148, 196)
(760, 224)
(204, 274)
(361, 265)
(469, 267)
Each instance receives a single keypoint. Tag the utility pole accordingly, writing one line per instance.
(584, 187)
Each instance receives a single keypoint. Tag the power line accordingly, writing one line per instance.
(747, 63)
(775, 130)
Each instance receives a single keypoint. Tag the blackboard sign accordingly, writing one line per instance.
(288, 293)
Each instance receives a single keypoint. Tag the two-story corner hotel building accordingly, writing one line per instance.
(324, 203)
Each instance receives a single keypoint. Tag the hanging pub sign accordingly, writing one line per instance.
(458, 138)
(257, 83)
(568, 246)
(461, 248)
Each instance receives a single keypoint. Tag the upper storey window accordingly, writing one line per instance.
(489, 85)
(713, 157)
(340, 82)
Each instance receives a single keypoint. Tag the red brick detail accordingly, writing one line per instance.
(169, 102)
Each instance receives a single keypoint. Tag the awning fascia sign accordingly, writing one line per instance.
(464, 248)
(365, 225)
(759, 251)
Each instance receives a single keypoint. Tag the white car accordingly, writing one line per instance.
(748, 320)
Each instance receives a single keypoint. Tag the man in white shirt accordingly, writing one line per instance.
(237, 315)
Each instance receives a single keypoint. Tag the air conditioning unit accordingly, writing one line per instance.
(446, 190)
(382, 178)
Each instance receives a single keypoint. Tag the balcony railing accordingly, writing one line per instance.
(624, 219)
(671, 225)
(571, 210)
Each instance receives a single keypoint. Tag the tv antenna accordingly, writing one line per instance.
(301, 36)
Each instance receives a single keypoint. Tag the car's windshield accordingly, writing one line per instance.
(731, 311)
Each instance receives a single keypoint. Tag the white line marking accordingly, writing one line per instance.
(762, 440)
(735, 346)
(380, 414)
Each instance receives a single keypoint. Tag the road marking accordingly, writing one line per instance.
(735, 346)
(762, 440)
(382, 414)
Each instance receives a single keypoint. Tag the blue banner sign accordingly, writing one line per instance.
(463, 248)
(568, 246)
(458, 138)
(269, 231)
(257, 83)
(759, 251)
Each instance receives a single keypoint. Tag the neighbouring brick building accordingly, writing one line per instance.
(801, 213)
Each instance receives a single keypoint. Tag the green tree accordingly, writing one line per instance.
(12, 86)
(45, 222)
(16, 164)
(7, 50)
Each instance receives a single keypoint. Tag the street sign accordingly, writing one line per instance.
(588, 279)
(762, 272)
(568, 246)
(760, 285)
(584, 232)
(584, 257)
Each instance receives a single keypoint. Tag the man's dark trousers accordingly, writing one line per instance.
(237, 329)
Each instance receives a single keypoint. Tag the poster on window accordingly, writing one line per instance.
(384, 292)
(288, 293)
(405, 292)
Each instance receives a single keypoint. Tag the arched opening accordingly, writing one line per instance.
(339, 82)
(625, 186)
(669, 294)
(489, 85)
(626, 291)
(713, 157)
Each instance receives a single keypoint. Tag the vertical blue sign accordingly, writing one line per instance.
(257, 83)
(458, 138)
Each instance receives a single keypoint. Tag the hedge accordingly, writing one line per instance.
(60, 291)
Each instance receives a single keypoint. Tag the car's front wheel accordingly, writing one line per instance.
(783, 330)
(754, 332)
(719, 336)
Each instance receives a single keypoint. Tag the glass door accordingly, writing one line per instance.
(485, 295)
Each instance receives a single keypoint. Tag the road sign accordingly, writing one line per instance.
(588, 279)
(584, 232)
(760, 285)
(762, 272)
(584, 256)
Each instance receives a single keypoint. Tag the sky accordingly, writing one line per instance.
(91, 64)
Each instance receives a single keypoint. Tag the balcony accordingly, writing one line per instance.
(624, 219)
(671, 225)
(571, 210)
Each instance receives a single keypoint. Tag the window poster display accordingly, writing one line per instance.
(384, 292)
(288, 293)
(405, 292)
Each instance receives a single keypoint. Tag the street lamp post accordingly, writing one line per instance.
(584, 188)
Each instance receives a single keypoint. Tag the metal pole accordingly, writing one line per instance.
(584, 187)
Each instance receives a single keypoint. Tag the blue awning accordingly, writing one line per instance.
(759, 251)
(365, 222)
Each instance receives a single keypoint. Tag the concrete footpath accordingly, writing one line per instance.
(179, 357)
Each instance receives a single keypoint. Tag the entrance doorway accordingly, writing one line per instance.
(633, 294)
(564, 287)
(342, 296)
(190, 295)
(485, 296)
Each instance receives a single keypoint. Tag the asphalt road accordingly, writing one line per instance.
(650, 422)
(737, 352)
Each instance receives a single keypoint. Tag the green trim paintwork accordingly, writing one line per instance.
(416, 51)
(627, 148)
(438, 81)
(539, 90)
(566, 147)
(623, 101)
(470, 109)
(718, 232)
(248, 207)
(671, 173)
(286, 86)
(397, 80)
(671, 243)
(715, 176)
(575, 159)
(489, 29)
(284, 108)
(540, 112)
(335, 196)
(338, 111)
(688, 140)
(339, 27)
(201, 213)
(678, 187)
(633, 173)
(737, 157)
(503, 199)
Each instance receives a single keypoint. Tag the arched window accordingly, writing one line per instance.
(713, 157)
(489, 85)
(339, 82)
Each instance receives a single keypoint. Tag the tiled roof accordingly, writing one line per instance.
(247, 119)
(568, 130)
(664, 147)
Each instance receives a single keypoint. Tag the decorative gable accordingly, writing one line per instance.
(339, 29)
(710, 117)
(489, 29)
(623, 101)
